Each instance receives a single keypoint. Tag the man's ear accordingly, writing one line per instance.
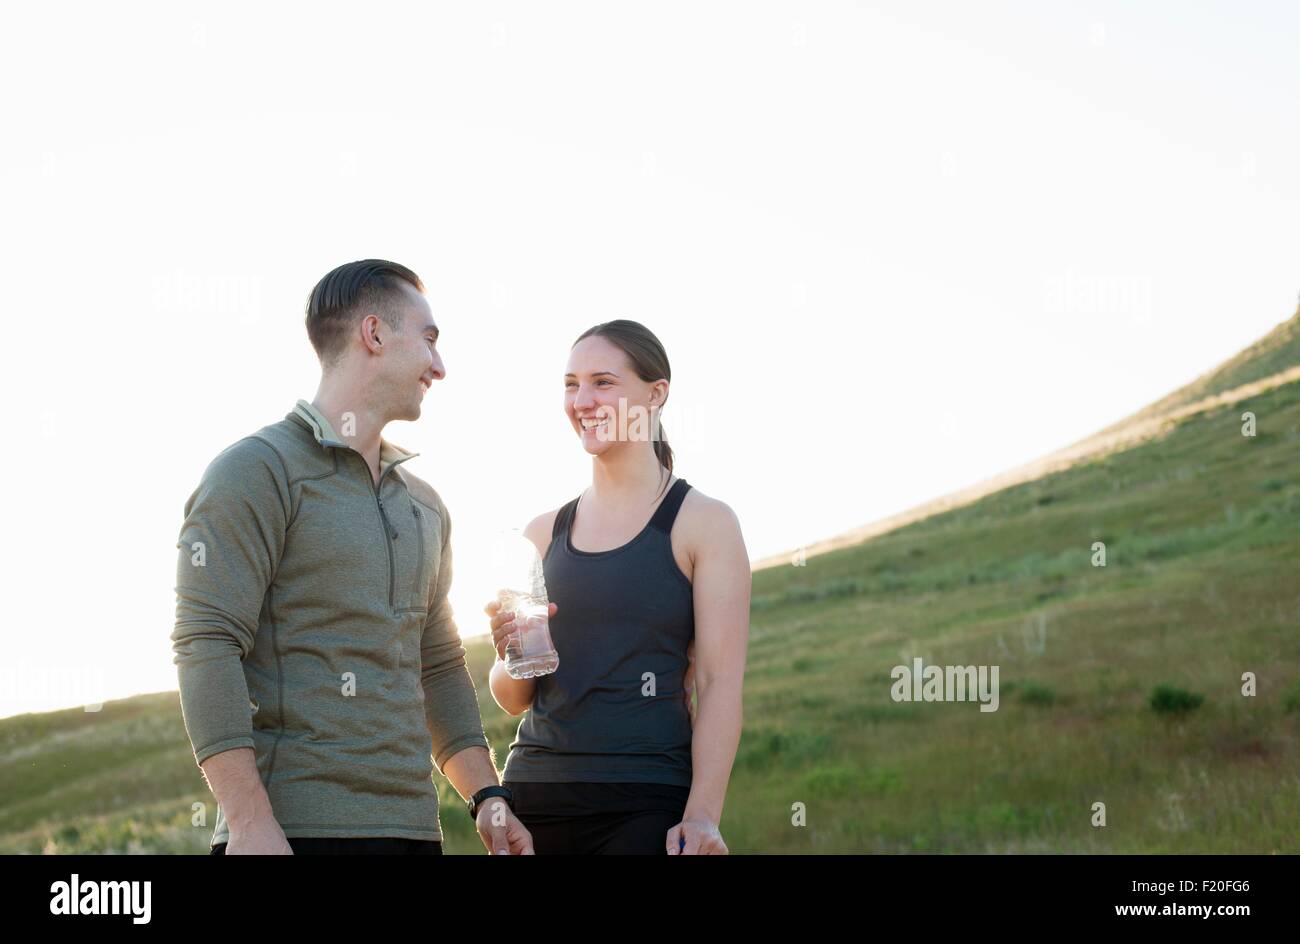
(370, 332)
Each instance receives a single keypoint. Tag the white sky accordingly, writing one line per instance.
(891, 248)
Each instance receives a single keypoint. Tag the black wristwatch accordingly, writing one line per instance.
(493, 791)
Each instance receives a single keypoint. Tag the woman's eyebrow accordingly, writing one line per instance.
(596, 373)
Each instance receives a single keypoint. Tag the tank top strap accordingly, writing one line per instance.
(668, 508)
(562, 519)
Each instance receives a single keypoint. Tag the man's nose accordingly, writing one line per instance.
(439, 370)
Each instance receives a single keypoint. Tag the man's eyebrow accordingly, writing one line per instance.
(596, 374)
(431, 327)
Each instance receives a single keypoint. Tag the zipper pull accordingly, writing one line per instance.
(383, 514)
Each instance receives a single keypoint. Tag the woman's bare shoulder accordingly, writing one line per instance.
(706, 516)
(539, 529)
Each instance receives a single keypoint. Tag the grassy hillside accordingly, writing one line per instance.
(1275, 352)
(1200, 585)
(1202, 533)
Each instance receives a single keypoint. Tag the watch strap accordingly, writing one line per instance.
(486, 793)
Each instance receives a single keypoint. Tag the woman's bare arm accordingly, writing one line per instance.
(515, 696)
(722, 585)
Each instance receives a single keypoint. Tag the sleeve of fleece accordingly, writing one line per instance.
(229, 547)
(450, 700)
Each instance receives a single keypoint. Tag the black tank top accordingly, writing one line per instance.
(614, 710)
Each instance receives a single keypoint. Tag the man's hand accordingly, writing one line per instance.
(261, 836)
(500, 831)
(241, 794)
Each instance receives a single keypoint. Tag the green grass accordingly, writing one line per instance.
(1271, 354)
(1202, 535)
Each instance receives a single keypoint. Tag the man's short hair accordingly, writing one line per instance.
(369, 286)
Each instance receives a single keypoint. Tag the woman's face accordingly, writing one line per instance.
(607, 403)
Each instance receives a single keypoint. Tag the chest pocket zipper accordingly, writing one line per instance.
(418, 597)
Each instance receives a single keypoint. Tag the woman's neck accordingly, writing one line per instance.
(625, 477)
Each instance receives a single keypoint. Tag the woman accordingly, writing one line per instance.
(649, 582)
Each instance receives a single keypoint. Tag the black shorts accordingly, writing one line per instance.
(370, 845)
(599, 818)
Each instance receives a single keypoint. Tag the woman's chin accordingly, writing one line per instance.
(594, 446)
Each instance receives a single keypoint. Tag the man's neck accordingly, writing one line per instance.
(355, 421)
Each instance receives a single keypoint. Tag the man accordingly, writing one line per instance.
(322, 677)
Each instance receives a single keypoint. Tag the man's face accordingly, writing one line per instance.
(411, 362)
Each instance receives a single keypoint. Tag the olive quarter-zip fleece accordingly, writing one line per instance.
(312, 625)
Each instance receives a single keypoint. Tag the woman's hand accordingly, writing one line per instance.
(503, 625)
(696, 836)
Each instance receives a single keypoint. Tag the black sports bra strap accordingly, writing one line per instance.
(562, 519)
(667, 513)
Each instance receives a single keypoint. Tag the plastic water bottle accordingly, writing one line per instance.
(529, 651)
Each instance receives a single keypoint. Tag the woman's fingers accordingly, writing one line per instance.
(492, 608)
(500, 638)
(499, 619)
(503, 622)
(501, 634)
